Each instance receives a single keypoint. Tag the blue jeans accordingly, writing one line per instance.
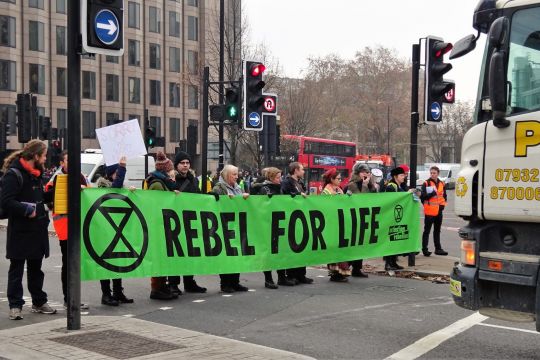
(34, 277)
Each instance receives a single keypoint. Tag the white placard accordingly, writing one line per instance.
(123, 139)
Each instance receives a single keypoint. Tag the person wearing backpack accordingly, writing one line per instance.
(23, 200)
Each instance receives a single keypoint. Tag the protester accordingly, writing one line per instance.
(27, 241)
(227, 185)
(361, 182)
(394, 185)
(272, 186)
(114, 178)
(338, 272)
(185, 182)
(404, 185)
(256, 186)
(60, 222)
(434, 198)
(293, 185)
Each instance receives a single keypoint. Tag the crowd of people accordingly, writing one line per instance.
(25, 198)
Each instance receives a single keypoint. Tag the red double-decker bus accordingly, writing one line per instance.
(318, 155)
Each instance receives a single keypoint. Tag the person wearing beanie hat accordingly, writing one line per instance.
(405, 168)
(360, 167)
(181, 156)
(394, 185)
(162, 179)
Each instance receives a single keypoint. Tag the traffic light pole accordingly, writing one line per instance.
(146, 122)
(221, 140)
(204, 142)
(74, 169)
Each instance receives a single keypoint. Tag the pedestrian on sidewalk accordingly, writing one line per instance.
(434, 198)
(227, 185)
(394, 185)
(293, 185)
(60, 222)
(24, 200)
(185, 182)
(272, 186)
(338, 272)
(114, 178)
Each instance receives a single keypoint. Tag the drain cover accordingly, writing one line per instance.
(116, 344)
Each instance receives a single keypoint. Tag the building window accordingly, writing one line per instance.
(193, 2)
(112, 118)
(7, 31)
(112, 88)
(193, 62)
(155, 20)
(61, 6)
(174, 130)
(174, 24)
(174, 94)
(111, 59)
(155, 56)
(174, 59)
(36, 36)
(8, 75)
(88, 85)
(37, 78)
(88, 125)
(8, 116)
(134, 53)
(155, 122)
(35, 4)
(193, 97)
(9, 1)
(61, 48)
(61, 119)
(193, 28)
(134, 117)
(134, 90)
(134, 15)
(155, 93)
(61, 82)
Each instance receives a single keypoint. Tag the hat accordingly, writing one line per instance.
(397, 171)
(110, 170)
(181, 156)
(359, 167)
(330, 173)
(405, 167)
(163, 163)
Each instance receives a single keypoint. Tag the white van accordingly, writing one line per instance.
(92, 159)
(448, 173)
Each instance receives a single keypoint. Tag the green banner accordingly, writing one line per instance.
(157, 233)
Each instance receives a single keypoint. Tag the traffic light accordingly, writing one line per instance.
(25, 114)
(150, 137)
(253, 97)
(102, 27)
(192, 139)
(3, 135)
(44, 127)
(56, 151)
(232, 104)
(435, 86)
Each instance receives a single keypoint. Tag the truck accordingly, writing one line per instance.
(498, 186)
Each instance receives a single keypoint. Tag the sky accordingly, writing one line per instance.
(294, 30)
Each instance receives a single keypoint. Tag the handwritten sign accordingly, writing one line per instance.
(123, 139)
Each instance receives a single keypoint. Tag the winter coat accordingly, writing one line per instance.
(356, 186)
(222, 188)
(290, 186)
(27, 238)
(269, 188)
(256, 186)
(117, 183)
(393, 187)
(192, 185)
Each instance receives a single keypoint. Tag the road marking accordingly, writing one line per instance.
(321, 276)
(435, 339)
(165, 308)
(456, 229)
(252, 290)
(227, 295)
(511, 328)
(198, 301)
(128, 315)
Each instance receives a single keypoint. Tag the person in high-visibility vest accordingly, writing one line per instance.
(434, 199)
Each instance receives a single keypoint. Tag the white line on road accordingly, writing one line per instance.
(165, 308)
(226, 295)
(451, 228)
(511, 328)
(435, 339)
(128, 315)
(252, 290)
(198, 301)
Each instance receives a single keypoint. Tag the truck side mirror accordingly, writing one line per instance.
(463, 46)
(497, 72)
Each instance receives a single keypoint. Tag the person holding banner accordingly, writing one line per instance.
(394, 185)
(293, 185)
(338, 272)
(227, 185)
(114, 178)
(272, 186)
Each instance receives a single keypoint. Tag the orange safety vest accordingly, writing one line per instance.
(431, 205)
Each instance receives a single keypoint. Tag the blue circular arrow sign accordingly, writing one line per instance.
(254, 119)
(106, 26)
(436, 111)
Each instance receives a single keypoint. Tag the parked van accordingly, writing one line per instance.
(448, 173)
(92, 160)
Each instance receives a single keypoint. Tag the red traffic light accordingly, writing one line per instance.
(442, 48)
(56, 144)
(257, 69)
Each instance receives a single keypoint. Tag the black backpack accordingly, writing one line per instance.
(3, 213)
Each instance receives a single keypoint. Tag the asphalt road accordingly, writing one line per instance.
(372, 318)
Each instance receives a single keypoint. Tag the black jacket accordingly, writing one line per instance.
(292, 187)
(269, 188)
(27, 238)
(191, 186)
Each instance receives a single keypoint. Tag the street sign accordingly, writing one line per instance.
(450, 95)
(269, 104)
(254, 120)
(436, 111)
(102, 27)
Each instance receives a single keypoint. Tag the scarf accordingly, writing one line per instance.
(26, 165)
(171, 185)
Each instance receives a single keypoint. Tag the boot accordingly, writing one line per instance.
(107, 299)
(396, 265)
(338, 278)
(175, 290)
(193, 287)
(440, 252)
(426, 252)
(283, 281)
(269, 284)
(162, 294)
(119, 296)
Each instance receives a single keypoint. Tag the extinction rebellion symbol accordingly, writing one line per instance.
(108, 245)
(398, 213)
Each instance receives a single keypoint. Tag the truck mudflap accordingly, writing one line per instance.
(463, 286)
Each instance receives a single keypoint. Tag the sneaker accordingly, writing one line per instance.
(83, 306)
(15, 313)
(441, 252)
(43, 309)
